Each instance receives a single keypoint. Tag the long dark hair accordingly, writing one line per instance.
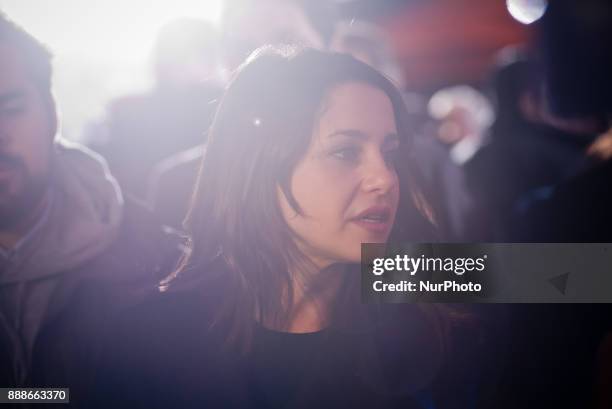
(262, 128)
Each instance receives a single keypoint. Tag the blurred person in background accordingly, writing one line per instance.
(250, 24)
(462, 117)
(368, 43)
(530, 150)
(302, 166)
(247, 25)
(69, 243)
(541, 183)
(577, 60)
(141, 129)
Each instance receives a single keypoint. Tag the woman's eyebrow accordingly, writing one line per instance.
(352, 133)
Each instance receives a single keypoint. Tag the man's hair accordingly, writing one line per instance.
(36, 56)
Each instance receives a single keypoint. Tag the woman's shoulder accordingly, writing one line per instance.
(187, 302)
(167, 316)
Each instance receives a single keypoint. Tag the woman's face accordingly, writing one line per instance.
(346, 183)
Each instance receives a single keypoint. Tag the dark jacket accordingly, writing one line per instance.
(165, 353)
(87, 298)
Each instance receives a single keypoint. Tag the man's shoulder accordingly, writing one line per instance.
(92, 295)
(142, 254)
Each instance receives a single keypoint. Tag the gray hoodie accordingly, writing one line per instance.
(82, 219)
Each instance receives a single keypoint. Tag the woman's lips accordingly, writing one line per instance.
(373, 226)
(376, 219)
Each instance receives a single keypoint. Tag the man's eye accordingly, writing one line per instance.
(12, 109)
(346, 154)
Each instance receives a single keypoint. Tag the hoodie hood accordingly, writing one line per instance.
(83, 218)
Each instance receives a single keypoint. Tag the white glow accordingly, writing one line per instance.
(109, 29)
(526, 11)
(101, 48)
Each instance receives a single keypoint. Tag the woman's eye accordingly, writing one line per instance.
(346, 154)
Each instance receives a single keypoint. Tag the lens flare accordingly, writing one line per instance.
(526, 11)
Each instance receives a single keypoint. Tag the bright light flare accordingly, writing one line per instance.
(526, 11)
(110, 30)
(101, 48)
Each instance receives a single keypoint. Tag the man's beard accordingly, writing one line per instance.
(18, 204)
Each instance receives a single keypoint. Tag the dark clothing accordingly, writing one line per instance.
(171, 185)
(576, 211)
(552, 355)
(520, 161)
(445, 186)
(85, 299)
(166, 354)
(545, 193)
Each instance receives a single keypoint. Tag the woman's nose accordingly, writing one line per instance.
(379, 175)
